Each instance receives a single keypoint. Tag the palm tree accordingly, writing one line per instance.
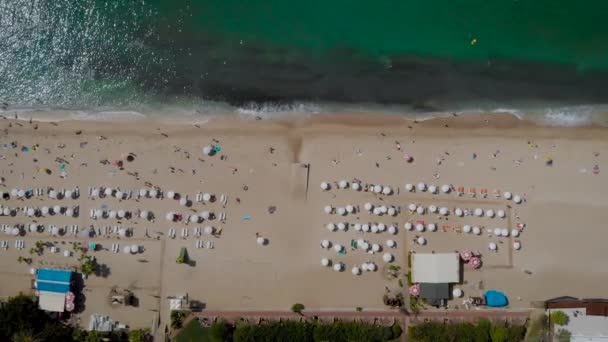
(25, 336)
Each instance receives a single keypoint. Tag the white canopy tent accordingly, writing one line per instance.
(435, 268)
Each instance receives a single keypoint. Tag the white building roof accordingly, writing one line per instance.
(584, 328)
(435, 268)
(51, 301)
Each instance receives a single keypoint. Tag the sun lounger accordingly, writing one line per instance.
(460, 190)
(472, 192)
(484, 193)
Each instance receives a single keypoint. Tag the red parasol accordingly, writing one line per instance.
(466, 255)
(475, 262)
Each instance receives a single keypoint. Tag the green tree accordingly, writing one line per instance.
(563, 335)
(89, 266)
(221, 331)
(298, 308)
(498, 334)
(21, 314)
(138, 335)
(57, 332)
(397, 331)
(25, 336)
(177, 318)
(481, 332)
(559, 317)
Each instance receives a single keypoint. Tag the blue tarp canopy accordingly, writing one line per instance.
(53, 280)
(496, 299)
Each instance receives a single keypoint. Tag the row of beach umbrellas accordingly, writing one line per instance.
(42, 211)
(362, 244)
(356, 270)
(444, 211)
(344, 184)
(362, 227)
(196, 218)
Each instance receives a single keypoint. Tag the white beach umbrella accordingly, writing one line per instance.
(387, 190)
(517, 199)
(208, 150)
(517, 245)
(15, 192)
(420, 227)
(383, 209)
(209, 230)
(6, 211)
(69, 212)
(325, 243)
(420, 210)
(457, 293)
(492, 246)
(355, 186)
(143, 192)
(119, 194)
(458, 212)
(421, 186)
(466, 228)
(67, 253)
(371, 266)
(515, 232)
(377, 189)
(153, 193)
(444, 211)
(392, 211)
(376, 247)
(338, 247)
(68, 194)
(391, 243)
(350, 209)
(412, 207)
(507, 195)
(409, 187)
(343, 184)
(374, 228)
(122, 232)
(108, 191)
(341, 211)
(95, 193)
(338, 267)
(360, 243)
(500, 213)
(408, 226)
(432, 209)
(21, 193)
(432, 189)
(446, 188)
(497, 231)
(476, 230)
(53, 194)
(392, 230)
(341, 226)
(98, 213)
(365, 246)
(431, 227)
(478, 212)
(55, 230)
(112, 214)
(44, 210)
(331, 227)
(421, 240)
(126, 249)
(377, 211)
(170, 216)
(144, 214)
(356, 270)
(325, 262)
(205, 215)
(381, 227)
(324, 186)
(365, 227)
(194, 218)
(30, 212)
(57, 209)
(490, 213)
(364, 267)
(504, 232)
(207, 197)
(16, 231)
(368, 206)
(121, 213)
(328, 209)
(33, 227)
(183, 201)
(170, 194)
(358, 227)
(134, 249)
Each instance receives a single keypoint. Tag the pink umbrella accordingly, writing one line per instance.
(69, 296)
(69, 307)
(414, 290)
(475, 262)
(466, 255)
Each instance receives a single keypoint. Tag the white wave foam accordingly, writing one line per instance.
(108, 116)
(272, 110)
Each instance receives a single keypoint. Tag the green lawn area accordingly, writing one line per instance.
(194, 332)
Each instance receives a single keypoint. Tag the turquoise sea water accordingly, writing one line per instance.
(548, 58)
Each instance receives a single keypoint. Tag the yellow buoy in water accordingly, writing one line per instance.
(473, 41)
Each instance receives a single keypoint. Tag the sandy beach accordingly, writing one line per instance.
(270, 174)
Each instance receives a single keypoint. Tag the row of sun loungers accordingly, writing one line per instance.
(204, 244)
(19, 244)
